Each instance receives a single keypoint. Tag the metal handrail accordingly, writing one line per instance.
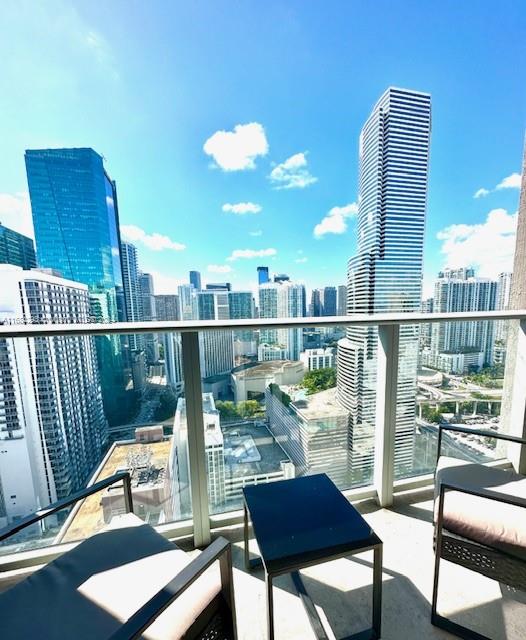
(475, 432)
(23, 330)
(66, 502)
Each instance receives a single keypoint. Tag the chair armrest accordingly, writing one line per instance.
(475, 432)
(66, 502)
(482, 492)
(133, 628)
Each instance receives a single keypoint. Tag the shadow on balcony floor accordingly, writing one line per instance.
(342, 589)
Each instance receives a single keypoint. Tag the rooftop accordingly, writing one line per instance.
(88, 519)
(262, 369)
(318, 405)
(245, 444)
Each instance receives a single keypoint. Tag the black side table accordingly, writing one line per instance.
(302, 522)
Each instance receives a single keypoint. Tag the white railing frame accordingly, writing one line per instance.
(388, 324)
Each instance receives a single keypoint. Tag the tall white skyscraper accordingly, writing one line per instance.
(53, 430)
(283, 299)
(385, 275)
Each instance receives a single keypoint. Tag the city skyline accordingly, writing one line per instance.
(298, 169)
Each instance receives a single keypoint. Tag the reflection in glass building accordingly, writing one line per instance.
(75, 216)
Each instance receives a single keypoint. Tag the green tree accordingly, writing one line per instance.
(227, 409)
(431, 415)
(319, 380)
(248, 408)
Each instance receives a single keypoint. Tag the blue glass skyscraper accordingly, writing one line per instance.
(76, 222)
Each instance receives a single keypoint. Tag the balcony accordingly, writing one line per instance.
(396, 500)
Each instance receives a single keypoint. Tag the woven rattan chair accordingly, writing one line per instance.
(123, 583)
(480, 522)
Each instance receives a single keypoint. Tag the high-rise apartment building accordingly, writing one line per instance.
(385, 275)
(76, 222)
(195, 280)
(342, 300)
(148, 313)
(216, 348)
(16, 249)
(132, 291)
(426, 329)
(53, 430)
(329, 301)
(457, 347)
(187, 295)
(242, 306)
(282, 299)
(263, 276)
(167, 306)
(316, 304)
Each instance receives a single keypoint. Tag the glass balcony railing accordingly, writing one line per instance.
(209, 407)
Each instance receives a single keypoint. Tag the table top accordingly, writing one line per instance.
(303, 521)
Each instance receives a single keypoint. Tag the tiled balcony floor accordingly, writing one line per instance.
(342, 589)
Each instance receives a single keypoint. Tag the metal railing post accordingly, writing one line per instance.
(513, 409)
(385, 429)
(196, 437)
(128, 496)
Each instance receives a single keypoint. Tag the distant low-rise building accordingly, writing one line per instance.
(457, 362)
(268, 352)
(318, 358)
(250, 381)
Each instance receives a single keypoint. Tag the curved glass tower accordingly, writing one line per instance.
(385, 275)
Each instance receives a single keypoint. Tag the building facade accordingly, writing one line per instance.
(195, 280)
(16, 249)
(76, 222)
(283, 299)
(53, 431)
(460, 290)
(385, 275)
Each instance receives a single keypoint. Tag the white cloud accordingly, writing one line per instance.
(510, 182)
(293, 173)
(336, 220)
(488, 247)
(236, 150)
(15, 212)
(164, 284)
(154, 241)
(246, 254)
(255, 234)
(301, 260)
(241, 208)
(219, 268)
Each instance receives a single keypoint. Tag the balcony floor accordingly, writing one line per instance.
(342, 589)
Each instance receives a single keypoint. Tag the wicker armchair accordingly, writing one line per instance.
(119, 585)
(480, 524)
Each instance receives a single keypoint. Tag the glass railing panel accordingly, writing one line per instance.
(274, 411)
(57, 435)
(461, 386)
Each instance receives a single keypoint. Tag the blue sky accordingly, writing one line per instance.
(149, 84)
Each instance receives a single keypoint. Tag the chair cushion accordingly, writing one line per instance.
(485, 521)
(89, 591)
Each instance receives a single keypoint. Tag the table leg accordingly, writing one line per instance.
(245, 536)
(270, 606)
(377, 591)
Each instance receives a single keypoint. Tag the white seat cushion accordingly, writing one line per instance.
(485, 521)
(88, 592)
